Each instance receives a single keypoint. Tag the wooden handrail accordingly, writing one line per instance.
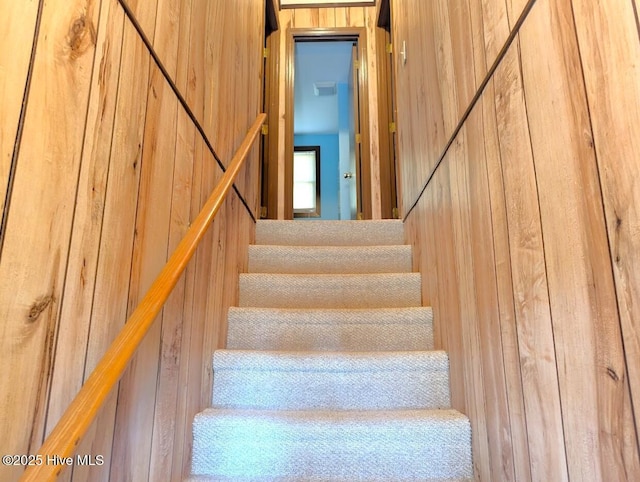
(73, 424)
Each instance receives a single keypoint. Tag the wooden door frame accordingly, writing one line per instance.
(389, 175)
(338, 33)
(270, 106)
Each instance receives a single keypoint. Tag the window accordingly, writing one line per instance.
(306, 181)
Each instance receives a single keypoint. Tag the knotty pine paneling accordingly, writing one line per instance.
(528, 274)
(134, 421)
(120, 170)
(470, 295)
(450, 47)
(184, 44)
(164, 417)
(233, 63)
(515, 9)
(586, 326)
(194, 92)
(487, 341)
(333, 17)
(16, 46)
(36, 244)
(166, 39)
(495, 29)
(76, 322)
(191, 357)
(506, 316)
(608, 42)
(145, 13)
(227, 58)
(526, 230)
(116, 244)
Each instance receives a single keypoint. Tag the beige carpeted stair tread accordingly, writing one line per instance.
(329, 373)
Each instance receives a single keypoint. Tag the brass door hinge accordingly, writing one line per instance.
(356, 64)
(395, 213)
(392, 127)
(263, 212)
(358, 138)
(360, 216)
(389, 48)
(265, 129)
(265, 52)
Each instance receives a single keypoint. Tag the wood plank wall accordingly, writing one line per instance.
(332, 17)
(14, 69)
(527, 227)
(108, 173)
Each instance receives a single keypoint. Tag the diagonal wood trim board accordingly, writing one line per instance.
(474, 100)
(134, 21)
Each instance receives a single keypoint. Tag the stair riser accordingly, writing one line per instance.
(328, 233)
(327, 338)
(383, 449)
(309, 380)
(300, 259)
(340, 391)
(330, 291)
(366, 401)
(332, 330)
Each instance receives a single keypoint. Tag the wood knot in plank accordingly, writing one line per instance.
(38, 307)
(589, 139)
(80, 37)
(612, 373)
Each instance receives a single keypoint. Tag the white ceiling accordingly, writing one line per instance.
(319, 62)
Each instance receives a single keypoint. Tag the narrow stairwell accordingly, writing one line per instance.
(329, 372)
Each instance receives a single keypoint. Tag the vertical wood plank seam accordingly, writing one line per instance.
(20, 130)
(141, 164)
(178, 94)
(546, 266)
(472, 270)
(473, 47)
(474, 100)
(106, 190)
(635, 13)
(86, 349)
(46, 418)
(54, 343)
(162, 322)
(184, 276)
(106, 187)
(604, 213)
(116, 389)
(183, 307)
(160, 317)
(503, 370)
(517, 346)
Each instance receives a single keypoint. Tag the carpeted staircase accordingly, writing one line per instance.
(329, 372)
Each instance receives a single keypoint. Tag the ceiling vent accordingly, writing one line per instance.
(324, 88)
